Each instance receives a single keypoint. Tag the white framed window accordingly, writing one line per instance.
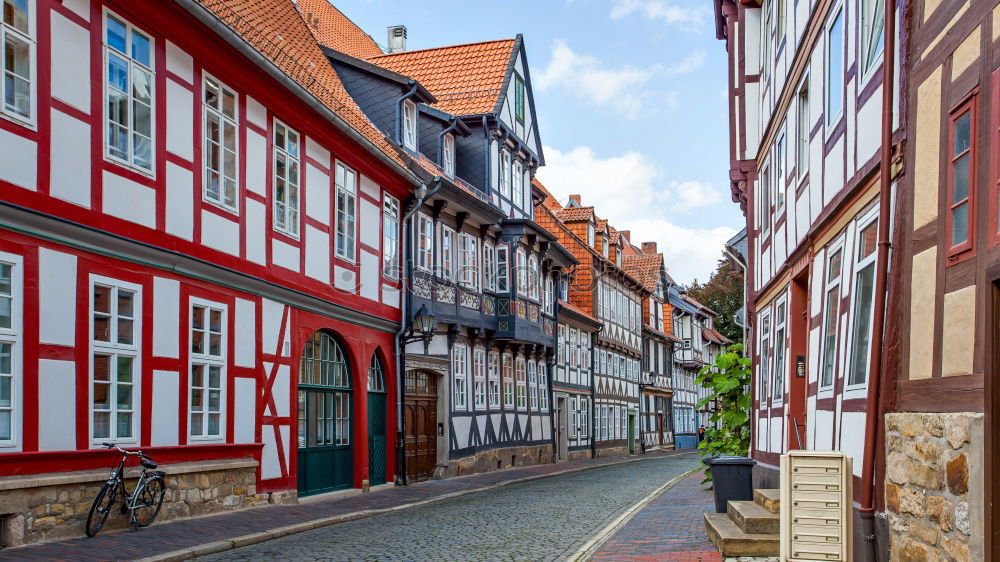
(550, 295)
(207, 369)
(11, 365)
(561, 345)
(543, 386)
(623, 428)
(533, 384)
(533, 277)
(425, 242)
(493, 381)
(409, 124)
(221, 116)
(764, 187)
(508, 380)
(780, 364)
(460, 374)
(605, 247)
(517, 177)
(115, 311)
(583, 418)
(766, 38)
(864, 300)
(17, 47)
(468, 254)
(872, 34)
(503, 268)
(479, 378)
(446, 267)
(448, 154)
(590, 234)
(779, 172)
(505, 173)
(347, 204)
(286, 179)
(522, 272)
(489, 267)
(520, 366)
(802, 129)
(390, 236)
(831, 316)
(835, 67)
(128, 94)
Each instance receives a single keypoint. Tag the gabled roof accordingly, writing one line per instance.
(466, 79)
(570, 307)
(276, 30)
(335, 30)
(645, 268)
(574, 214)
(714, 336)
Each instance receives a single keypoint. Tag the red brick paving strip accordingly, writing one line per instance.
(670, 527)
(170, 536)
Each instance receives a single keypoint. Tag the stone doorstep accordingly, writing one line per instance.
(99, 475)
(341, 494)
(768, 498)
(732, 541)
(752, 518)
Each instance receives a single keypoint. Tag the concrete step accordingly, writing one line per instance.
(732, 541)
(754, 519)
(769, 499)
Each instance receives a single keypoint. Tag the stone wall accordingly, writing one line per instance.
(496, 459)
(934, 486)
(51, 506)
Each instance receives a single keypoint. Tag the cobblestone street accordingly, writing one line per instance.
(547, 519)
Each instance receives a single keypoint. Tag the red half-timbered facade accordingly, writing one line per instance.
(199, 249)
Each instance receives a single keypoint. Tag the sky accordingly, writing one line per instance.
(631, 104)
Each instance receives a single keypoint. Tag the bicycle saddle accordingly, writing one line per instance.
(147, 463)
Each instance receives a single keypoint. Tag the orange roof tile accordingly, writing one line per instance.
(466, 79)
(645, 268)
(577, 310)
(550, 200)
(335, 30)
(713, 335)
(570, 214)
(275, 29)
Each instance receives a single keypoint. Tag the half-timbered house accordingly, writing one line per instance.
(688, 320)
(572, 379)
(199, 255)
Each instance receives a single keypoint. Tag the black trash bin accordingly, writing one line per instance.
(731, 480)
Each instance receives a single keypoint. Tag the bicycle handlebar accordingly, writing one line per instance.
(123, 451)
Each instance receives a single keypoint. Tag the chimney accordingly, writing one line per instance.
(574, 200)
(626, 234)
(397, 38)
(649, 247)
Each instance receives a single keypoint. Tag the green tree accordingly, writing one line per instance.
(728, 383)
(724, 294)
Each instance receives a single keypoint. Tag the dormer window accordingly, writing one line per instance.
(604, 246)
(590, 235)
(409, 124)
(518, 98)
(618, 256)
(448, 155)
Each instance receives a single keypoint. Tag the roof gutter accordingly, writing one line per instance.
(206, 17)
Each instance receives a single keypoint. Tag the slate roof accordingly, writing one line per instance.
(277, 31)
(335, 30)
(466, 79)
(645, 268)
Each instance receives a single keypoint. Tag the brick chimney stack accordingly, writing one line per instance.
(649, 247)
(574, 200)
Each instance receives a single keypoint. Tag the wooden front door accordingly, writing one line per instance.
(325, 418)
(376, 423)
(420, 425)
(795, 412)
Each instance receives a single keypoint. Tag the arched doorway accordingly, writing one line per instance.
(376, 422)
(326, 454)
(420, 425)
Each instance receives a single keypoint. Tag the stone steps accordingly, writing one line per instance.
(751, 518)
(733, 541)
(769, 499)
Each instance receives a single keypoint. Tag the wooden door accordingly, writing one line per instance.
(798, 381)
(376, 423)
(420, 425)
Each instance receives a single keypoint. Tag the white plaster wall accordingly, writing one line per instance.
(317, 194)
(71, 59)
(58, 378)
(57, 305)
(256, 160)
(180, 202)
(370, 265)
(370, 224)
(70, 172)
(128, 200)
(390, 295)
(166, 317)
(271, 326)
(284, 255)
(245, 321)
(317, 254)
(256, 243)
(345, 279)
(18, 160)
(852, 438)
(180, 120)
(256, 113)
(370, 188)
(220, 233)
(78, 7)
(165, 428)
(245, 409)
(180, 63)
(315, 151)
(280, 391)
(270, 466)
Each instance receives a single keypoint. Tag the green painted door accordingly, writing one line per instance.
(376, 423)
(325, 418)
(631, 432)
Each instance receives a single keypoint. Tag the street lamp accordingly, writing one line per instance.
(423, 323)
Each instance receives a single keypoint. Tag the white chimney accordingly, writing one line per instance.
(397, 38)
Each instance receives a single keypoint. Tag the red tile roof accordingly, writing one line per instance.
(577, 310)
(335, 30)
(466, 79)
(550, 200)
(713, 335)
(276, 30)
(572, 214)
(645, 268)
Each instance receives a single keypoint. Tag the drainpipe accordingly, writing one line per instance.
(399, 111)
(404, 326)
(873, 411)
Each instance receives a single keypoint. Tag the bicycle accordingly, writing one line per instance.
(142, 504)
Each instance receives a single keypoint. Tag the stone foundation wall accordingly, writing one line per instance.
(496, 459)
(934, 486)
(58, 507)
(578, 455)
(612, 450)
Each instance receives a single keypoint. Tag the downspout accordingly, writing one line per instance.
(399, 112)
(404, 326)
(873, 411)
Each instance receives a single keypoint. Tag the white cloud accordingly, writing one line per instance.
(586, 76)
(689, 64)
(669, 12)
(623, 189)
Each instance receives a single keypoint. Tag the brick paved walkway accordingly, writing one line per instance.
(668, 528)
(175, 535)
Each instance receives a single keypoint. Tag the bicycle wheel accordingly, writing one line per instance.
(100, 509)
(148, 502)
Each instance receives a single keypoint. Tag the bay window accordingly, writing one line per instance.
(543, 386)
(347, 189)
(508, 380)
(489, 268)
(493, 380)
(115, 310)
(17, 47)
(128, 92)
(503, 268)
(468, 273)
(221, 154)
(425, 242)
(207, 382)
(520, 366)
(446, 267)
(286, 179)
(533, 277)
(533, 384)
(522, 272)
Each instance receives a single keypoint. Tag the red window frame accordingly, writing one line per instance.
(965, 250)
(994, 214)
